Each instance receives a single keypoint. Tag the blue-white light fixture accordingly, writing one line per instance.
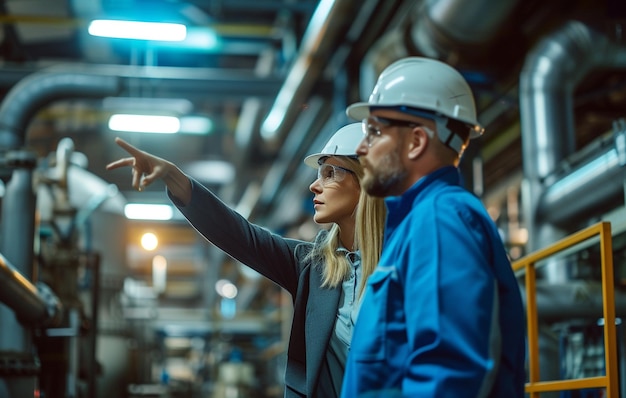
(156, 31)
(160, 124)
(141, 211)
(144, 123)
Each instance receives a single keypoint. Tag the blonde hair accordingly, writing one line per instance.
(368, 237)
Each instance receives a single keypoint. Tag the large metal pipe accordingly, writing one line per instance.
(82, 81)
(329, 20)
(577, 299)
(444, 26)
(438, 29)
(24, 298)
(39, 89)
(551, 72)
(587, 188)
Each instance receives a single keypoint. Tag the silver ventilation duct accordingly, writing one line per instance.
(437, 29)
(327, 23)
(587, 188)
(445, 26)
(551, 72)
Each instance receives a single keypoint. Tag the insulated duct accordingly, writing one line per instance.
(587, 188)
(328, 22)
(446, 26)
(438, 29)
(551, 72)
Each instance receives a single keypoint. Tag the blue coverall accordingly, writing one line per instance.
(442, 315)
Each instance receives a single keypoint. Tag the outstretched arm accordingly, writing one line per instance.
(268, 253)
(148, 168)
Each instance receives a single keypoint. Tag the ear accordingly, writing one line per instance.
(419, 141)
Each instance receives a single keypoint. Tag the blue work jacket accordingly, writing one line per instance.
(442, 316)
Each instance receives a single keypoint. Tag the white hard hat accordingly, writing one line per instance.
(422, 84)
(343, 143)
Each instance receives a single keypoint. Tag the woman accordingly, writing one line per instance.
(325, 278)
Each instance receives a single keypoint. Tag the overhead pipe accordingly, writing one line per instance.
(330, 19)
(436, 30)
(324, 33)
(551, 72)
(446, 26)
(33, 92)
(588, 187)
(92, 81)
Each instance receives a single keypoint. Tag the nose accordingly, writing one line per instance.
(362, 148)
(315, 186)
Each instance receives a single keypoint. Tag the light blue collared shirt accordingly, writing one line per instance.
(339, 345)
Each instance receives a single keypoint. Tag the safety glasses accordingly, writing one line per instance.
(373, 126)
(329, 173)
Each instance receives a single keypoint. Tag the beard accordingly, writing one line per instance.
(386, 178)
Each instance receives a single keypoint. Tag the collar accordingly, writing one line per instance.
(353, 257)
(399, 206)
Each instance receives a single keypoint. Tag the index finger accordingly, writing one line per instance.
(128, 147)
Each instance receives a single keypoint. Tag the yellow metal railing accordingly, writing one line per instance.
(527, 263)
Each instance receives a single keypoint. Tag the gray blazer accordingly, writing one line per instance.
(284, 262)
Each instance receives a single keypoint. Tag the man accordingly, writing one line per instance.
(442, 315)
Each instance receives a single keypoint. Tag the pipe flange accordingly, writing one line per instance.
(20, 159)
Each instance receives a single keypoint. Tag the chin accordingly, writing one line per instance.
(319, 219)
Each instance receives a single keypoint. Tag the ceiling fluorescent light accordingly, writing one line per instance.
(144, 123)
(139, 211)
(200, 39)
(196, 125)
(138, 30)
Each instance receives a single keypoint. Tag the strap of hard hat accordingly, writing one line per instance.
(450, 138)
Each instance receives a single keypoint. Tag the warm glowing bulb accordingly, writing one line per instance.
(149, 241)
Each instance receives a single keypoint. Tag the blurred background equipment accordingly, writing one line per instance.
(97, 300)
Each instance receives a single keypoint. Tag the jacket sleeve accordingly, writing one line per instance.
(269, 254)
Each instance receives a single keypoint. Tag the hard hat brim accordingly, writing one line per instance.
(359, 110)
(312, 160)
